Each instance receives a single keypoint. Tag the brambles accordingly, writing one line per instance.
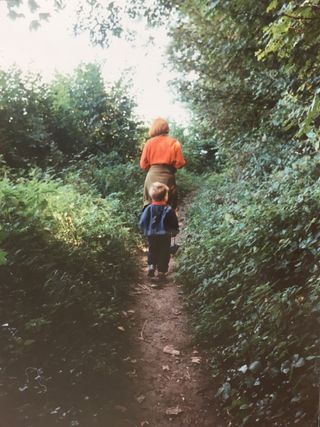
(250, 266)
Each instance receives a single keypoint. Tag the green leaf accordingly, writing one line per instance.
(272, 5)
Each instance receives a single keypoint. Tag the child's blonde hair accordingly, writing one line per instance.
(159, 192)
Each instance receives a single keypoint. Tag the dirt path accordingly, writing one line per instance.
(166, 389)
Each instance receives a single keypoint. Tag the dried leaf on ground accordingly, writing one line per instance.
(196, 359)
(141, 398)
(121, 328)
(132, 374)
(165, 368)
(170, 350)
(144, 423)
(174, 411)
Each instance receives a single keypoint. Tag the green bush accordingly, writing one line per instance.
(113, 180)
(187, 183)
(199, 146)
(70, 118)
(69, 258)
(250, 263)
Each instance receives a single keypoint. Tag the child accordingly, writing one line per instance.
(159, 222)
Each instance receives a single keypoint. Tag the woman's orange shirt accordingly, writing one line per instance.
(162, 150)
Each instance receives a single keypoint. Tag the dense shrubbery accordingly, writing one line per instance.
(199, 146)
(67, 237)
(69, 260)
(112, 179)
(249, 70)
(251, 268)
(72, 117)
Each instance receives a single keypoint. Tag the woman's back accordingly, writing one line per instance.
(162, 150)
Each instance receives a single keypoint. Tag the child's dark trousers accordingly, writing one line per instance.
(159, 252)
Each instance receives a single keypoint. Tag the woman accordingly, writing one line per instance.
(161, 157)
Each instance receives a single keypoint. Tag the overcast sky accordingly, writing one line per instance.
(54, 47)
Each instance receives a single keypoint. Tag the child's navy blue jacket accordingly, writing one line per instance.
(158, 220)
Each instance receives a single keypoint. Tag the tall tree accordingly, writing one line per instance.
(24, 137)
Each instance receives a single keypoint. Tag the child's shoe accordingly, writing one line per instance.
(174, 248)
(150, 271)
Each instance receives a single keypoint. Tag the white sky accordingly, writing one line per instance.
(54, 47)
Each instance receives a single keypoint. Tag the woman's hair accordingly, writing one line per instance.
(159, 192)
(159, 127)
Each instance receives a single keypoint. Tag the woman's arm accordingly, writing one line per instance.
(179, 159)
(144, 160)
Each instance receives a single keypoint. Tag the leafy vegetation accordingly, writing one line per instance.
(113, 180)
(69, 257)
(250, 265)
(73, 117)
(67, 239)
(251, 270)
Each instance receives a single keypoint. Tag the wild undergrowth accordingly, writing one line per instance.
(69, 259)
(111, 179)
(250, 266)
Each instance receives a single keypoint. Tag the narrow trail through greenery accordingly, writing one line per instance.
(72, 308)
(167, 373)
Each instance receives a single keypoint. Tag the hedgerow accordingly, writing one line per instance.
(69, 258)
(69, 119)
(250, 265)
